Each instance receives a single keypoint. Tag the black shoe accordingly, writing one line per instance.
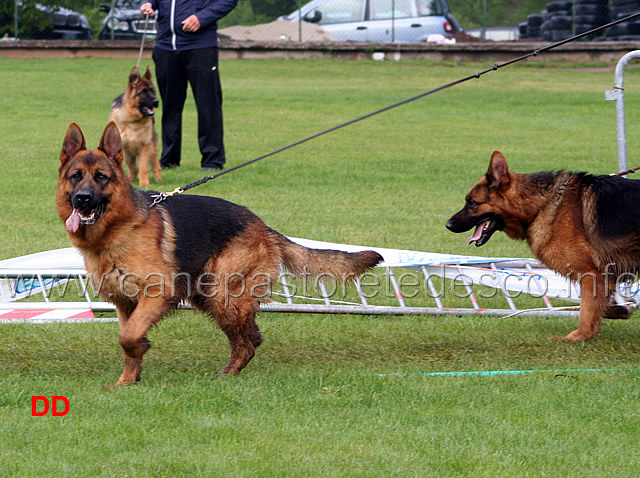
(212, 167)
(168, 166)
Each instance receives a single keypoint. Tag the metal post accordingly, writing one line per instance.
(15, 18)
(393, 21)
(467, 285)
(432, 287)
(617, 94)
(396, 288)
(299, 22)
(285, 286)
(323, 291)
(512, 305)
(363, 298)
(484, 19)
(540, 287)
(113, 20)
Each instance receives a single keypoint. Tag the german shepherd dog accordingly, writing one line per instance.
(582, 226)
(133, 113)
(217, 255)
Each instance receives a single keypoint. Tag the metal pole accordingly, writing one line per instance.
(393, 20)
(113, 20)
(390, 310)
(617, 94)
(299, 22)
(484, 20)
(15, 18)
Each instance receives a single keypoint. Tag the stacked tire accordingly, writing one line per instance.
(558, 24)
(591, 14)
(531, 28)
(563, 19)
(628, 31)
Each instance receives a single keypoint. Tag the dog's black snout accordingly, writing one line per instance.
(82, 198)
(455, 225)
(155, 103)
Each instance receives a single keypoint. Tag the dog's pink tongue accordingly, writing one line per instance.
(73, 223)
(476, 234)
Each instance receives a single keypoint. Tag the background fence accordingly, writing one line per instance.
(364, 20)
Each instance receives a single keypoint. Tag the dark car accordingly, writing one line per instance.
(65, 24)
(124, 21)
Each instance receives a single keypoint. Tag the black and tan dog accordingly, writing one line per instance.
(146, 260)
(582, 226)
(133, 113)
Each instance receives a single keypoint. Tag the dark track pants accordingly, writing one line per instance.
(199, 68)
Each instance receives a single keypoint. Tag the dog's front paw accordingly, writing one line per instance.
(573, 336)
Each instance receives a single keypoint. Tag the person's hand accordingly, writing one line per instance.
(146, 9)
(191, 24)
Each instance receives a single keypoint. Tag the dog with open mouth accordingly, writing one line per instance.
(133, 111)
(582, 226)
(147, 259)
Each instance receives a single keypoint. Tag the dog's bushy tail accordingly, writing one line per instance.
(338, 265)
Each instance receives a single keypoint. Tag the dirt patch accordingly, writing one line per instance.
(278, 31)
(462, 37)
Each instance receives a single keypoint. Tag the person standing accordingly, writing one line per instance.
(186, 52)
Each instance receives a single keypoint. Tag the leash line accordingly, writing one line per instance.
(144, 34)
(162, 196)
(628, 171)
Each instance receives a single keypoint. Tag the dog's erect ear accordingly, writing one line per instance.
(134, 76)
(111, 144)
(73, 142)
(147, 75)
(498, 173)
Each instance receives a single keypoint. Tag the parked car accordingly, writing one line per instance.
(65, 24)
(377, 21)
(124, 22)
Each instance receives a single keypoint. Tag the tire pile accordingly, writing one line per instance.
(628, 31)
(562, 19)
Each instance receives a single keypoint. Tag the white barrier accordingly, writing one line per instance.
(59, 280)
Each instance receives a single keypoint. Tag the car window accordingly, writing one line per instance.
(386, 9)
(341, 11)
(131, 4)
(429, 7)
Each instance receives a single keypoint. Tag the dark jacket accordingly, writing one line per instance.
(172, 37)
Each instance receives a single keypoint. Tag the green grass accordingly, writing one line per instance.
(339, 395)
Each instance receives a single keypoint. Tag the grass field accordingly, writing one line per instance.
(337, 395)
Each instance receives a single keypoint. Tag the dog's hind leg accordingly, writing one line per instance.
(235, 315)
(593, 304)
(244, 271)
(243, 349)
(614, 311)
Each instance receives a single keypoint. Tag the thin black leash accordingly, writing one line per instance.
(179, 190)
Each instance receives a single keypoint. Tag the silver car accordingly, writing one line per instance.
(124, 22)
(379, 20)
